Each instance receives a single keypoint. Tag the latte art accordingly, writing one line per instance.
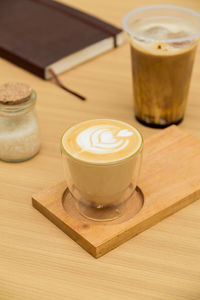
(101, 140)
(102, 160)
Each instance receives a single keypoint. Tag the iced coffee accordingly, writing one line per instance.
(163, 49)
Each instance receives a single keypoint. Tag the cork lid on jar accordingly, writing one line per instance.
(14, 93)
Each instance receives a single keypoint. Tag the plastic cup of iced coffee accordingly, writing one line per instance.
(163, 41)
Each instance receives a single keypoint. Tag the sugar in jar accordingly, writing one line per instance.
(19, 130)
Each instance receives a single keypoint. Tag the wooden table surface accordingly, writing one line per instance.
(37, 260)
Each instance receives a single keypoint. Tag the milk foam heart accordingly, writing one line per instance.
(124, 132)
(101, 140)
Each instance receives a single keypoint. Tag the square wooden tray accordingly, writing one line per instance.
(170, 180)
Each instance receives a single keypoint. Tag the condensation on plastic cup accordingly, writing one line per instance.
(187, 14)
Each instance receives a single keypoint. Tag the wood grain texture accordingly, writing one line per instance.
(37, 260)
(169, 181)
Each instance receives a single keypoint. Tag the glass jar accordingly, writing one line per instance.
(19, 130)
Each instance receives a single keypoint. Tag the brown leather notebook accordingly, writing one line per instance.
(39, 35)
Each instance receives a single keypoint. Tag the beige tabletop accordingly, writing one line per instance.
(37, 260)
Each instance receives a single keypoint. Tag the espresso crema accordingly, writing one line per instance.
(101, 141)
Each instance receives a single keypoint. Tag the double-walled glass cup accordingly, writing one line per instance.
(163, 41)
(101, 190)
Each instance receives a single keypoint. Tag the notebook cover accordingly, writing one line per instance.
(36, 33)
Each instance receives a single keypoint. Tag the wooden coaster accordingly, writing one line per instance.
(170, 180)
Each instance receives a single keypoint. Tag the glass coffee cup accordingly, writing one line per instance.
(102, 160)
(163, 41)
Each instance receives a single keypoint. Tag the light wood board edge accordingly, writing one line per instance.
(74, 235)
(104, 248)
(145, 224)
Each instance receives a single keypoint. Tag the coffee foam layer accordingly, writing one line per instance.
(161, 29)
(101, 141)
